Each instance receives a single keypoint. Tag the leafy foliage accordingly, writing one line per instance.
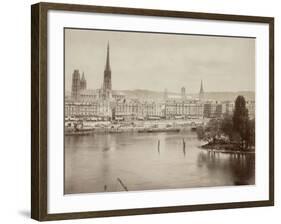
(241, 118)
(235, 129)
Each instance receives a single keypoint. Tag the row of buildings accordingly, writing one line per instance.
(152, 110)
(108, 104)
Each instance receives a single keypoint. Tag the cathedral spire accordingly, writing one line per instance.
(107, 77)
(201, 93)
(83, 76)
(83, 82)
(201, 87)
(107, 66)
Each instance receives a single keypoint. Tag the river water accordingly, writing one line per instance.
(147, 161)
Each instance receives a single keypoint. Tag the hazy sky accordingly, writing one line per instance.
(159, 61)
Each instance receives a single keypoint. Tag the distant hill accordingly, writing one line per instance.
(219, 96)
(142, 93)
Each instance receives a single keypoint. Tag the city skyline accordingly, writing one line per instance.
(86, 50)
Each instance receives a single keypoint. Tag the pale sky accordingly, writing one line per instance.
(158, 61)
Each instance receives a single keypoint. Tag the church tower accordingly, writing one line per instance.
(183, 94)
(201, 93)
(83, 82)
(75, 88)
(107, 77)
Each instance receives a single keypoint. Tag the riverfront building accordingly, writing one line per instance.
(149, 110)
(187, 109)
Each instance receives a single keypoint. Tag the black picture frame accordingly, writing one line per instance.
(39, 108)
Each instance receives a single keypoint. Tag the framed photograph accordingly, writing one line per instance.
(141, 111)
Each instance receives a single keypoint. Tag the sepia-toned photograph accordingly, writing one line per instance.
(154, 111)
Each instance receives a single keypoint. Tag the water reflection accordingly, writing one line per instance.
(147, 161)
(240, 167)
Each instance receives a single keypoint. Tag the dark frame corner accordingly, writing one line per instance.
(39, 110)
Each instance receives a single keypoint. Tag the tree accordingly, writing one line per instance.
(251, 133)
(241, 120)
(227, 126)
(213, 130)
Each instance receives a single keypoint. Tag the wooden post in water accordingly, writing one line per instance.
(158, 146)
(122, 184)
(183, 142)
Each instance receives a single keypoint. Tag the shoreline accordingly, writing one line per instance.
(135, 127)
(124, 130)
(226, 148)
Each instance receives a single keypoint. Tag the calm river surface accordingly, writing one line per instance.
(94, 163)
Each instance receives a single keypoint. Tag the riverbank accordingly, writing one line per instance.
(89, 128)
(89, 131)
(226, 148)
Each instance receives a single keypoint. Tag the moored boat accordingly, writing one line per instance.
(145, 130)
(80, 131)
